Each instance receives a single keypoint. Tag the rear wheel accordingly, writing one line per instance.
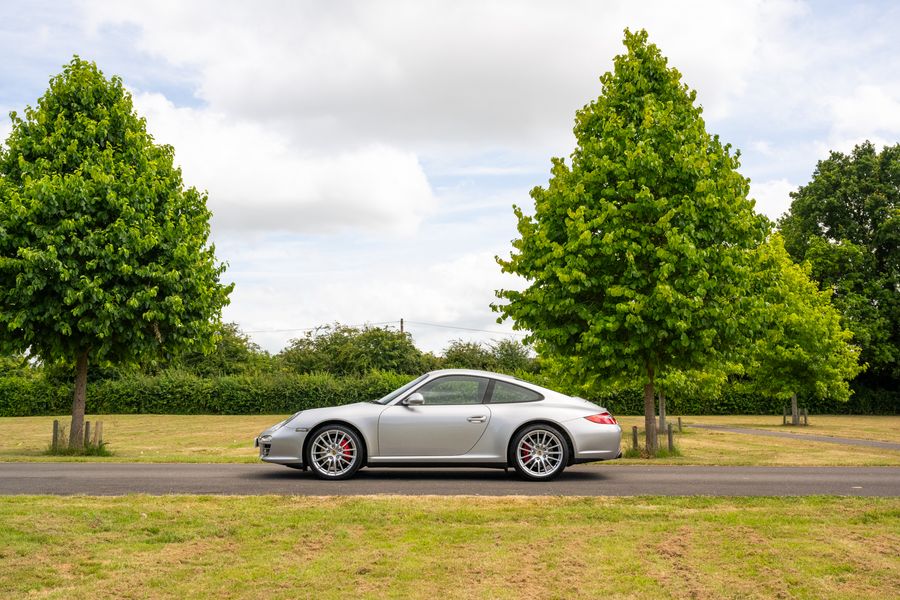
(335, 452)
(539, 452)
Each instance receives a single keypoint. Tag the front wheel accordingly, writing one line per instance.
(335, 452)
(539, 452)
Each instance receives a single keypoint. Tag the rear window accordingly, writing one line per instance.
(509, 393)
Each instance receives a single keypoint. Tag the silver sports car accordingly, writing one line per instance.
(452, 417)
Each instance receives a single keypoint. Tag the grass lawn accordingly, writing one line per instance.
(460, 547)
(881, 428)
(180, 438)
(710, 447)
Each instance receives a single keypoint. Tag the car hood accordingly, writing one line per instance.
(344, 412)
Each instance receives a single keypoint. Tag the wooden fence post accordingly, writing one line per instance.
(805, 417)
(55, 444)
(634, 437)
(671, 437)
(97, 427)
(783, 414)
(87, 433)
(679, 424)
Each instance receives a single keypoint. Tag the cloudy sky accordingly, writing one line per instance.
(362, 158)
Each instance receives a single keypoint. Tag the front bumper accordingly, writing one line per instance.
(283, 446)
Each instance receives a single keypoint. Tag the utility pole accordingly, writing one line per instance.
(401, 324)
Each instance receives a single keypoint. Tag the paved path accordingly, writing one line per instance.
(803, 436)
(584, 480)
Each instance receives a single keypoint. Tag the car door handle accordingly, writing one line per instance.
(476, 419)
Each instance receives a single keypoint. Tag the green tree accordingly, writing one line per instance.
(234, 354)
(344, 350)
(460, 354)
(16, 365)
(512, 356)
(104, 254)
(803, 348)
(637, 252)
(846, 223)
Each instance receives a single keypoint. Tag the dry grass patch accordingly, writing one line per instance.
(215, 438)
(710, 447)
(460, 547)
(865, 427)
(145, 438)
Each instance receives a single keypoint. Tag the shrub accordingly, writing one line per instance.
(179, 392)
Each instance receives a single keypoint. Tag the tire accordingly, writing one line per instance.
(334, 452)
(539, 452)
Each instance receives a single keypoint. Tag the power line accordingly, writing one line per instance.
(519, 333)
(406, 321)
(318, 327)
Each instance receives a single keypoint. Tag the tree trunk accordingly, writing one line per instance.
(650, 414)
(795, 413)
(76, 436)
(662, 410)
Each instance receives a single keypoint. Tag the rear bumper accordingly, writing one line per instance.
(593, 441)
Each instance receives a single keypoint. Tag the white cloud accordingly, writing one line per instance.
(772, 197)
(5, 126)
(869, 111)
(258, 180)
(338, 287)
(437, 74)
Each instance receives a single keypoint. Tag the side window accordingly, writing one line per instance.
(454, 389)
(507, 393)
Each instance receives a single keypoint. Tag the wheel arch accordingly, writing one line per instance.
(565, 433)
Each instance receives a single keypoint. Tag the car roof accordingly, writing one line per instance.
(477, 373)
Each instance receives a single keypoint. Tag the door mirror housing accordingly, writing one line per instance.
(416, 399)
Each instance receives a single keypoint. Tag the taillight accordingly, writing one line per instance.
(603, 418)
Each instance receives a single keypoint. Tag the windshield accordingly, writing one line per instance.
(400, 391)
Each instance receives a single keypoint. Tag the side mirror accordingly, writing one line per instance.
(416, 399)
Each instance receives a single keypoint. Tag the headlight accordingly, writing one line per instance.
(265, 438)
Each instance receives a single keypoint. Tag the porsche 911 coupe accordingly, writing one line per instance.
(451, 417)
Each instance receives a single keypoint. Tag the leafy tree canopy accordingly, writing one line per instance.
(804, 349)
(344, 350)
(234, 354)
(636, 253)
(846, 223)
(103, 248)
(103, 251)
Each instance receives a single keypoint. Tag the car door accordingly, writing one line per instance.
(449, 423)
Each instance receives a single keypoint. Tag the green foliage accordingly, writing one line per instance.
(16, 365)
(803, 348)
(234, 354)
(102, 248)
(638, 252)
(512, 356)
(177, 392)
(344, 350)
(503, 356)
(846, 223)
(468, 355)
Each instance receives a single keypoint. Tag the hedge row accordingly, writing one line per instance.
(185, 394)
(180, 393)
(864, 401)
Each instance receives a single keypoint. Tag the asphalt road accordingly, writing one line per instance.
(585, 480)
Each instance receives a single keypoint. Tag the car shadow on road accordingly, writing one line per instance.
(413, 474)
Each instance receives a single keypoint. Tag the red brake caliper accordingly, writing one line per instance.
(345, 448)
(526, 452)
